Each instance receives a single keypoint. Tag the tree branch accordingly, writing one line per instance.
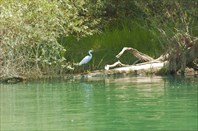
(141, 56)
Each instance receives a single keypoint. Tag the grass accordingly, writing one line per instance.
(109, 43)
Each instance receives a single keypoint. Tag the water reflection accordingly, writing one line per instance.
(130, 103)
(143, 86)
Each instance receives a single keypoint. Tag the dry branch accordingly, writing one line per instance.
(118, 63)
(141, 56)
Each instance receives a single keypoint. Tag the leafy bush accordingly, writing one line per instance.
(29, 31)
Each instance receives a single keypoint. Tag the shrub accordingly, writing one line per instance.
(30, 30)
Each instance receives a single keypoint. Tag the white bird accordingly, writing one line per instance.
(86, 59)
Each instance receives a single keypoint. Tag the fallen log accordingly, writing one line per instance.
(142, 68)
(161, 65)
(12, 79)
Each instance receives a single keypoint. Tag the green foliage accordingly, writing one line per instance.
(29, 31)
(107, 44)
(176, 21)
(145, 25)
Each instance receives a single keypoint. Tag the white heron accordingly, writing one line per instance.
(86, 59)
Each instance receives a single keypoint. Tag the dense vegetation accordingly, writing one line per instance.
(30, 32)
(46, 36)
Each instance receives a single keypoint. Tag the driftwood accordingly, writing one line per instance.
(141, 56)
(118, 63)
(161, 64)
(12, 79)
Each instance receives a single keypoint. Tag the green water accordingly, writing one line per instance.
(98, 104)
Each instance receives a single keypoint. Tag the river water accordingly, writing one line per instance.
(98, 104)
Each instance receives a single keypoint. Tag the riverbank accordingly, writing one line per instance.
(97, 74)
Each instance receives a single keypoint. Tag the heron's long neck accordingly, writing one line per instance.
(90, 54)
